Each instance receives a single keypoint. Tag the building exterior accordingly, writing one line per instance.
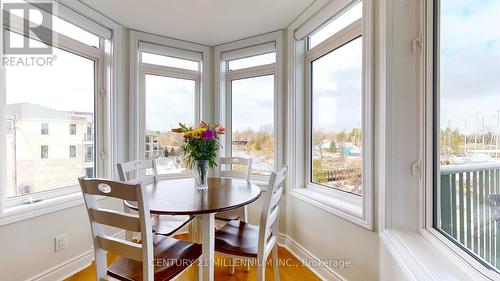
(47, 148)
(152, 148)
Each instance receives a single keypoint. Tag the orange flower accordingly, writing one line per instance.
(203, 124)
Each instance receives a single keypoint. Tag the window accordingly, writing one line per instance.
(170, 93)
(252, 121)
(336, 137)
(169, 61)
(72, 129)
(467, 127)
(37, 96)
(89, 172)
(44, 152)
(251, 113)
(252, 61)
(72, 151)
(336, 155)
(44, 130)
(10, 127)
(89, 155)
(350, 15)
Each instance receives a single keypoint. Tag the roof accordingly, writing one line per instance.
(34, 111)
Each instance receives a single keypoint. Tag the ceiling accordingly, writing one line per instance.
(209, 22)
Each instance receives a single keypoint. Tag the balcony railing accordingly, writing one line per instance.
(464, 211)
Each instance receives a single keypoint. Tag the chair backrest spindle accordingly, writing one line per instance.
(138, 167)
(234, 173)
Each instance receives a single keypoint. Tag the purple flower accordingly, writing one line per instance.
(209, 134)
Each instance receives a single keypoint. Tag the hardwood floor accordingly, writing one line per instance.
(290, 270)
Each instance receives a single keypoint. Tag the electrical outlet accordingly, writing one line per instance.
(61, 242)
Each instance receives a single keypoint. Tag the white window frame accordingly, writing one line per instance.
(246, 73)
(258, 45)
(357, 209)
(170, 72)
(429, 101)
(140, 41)
(16, 209)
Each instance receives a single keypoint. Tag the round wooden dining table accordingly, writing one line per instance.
(180, 197)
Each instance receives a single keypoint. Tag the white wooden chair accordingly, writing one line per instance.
(164, 224)
(152, 258)
(240, 213)
(242, 240)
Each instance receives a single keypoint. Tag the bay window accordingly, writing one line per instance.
(43, 101)
(466, 128)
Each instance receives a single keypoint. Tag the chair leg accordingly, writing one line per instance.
(191, 232)
(196, 269)
(276, 268)
(247, 266)
(232, 269)
(261, 270)
(101, 264)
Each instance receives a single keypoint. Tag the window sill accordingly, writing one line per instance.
(421, 259)
(27, 211)
(347, 209)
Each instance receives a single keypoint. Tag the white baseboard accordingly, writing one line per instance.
(325, 273)
(72, 266)
(77, 264)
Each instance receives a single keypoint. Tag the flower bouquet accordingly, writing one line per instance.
(200, 149)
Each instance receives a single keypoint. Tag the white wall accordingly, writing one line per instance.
(27, 247)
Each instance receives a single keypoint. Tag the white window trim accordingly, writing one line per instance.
(14, 210)
(427, 107)
(358, 210)
(419, 252)
(257, 45)
(172, 47)
(149, 69)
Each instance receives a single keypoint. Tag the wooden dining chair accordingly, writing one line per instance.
(239, 213)
(242, 240)
(163, 224)
(156, 257)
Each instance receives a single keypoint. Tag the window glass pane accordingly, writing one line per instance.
(168, 102)
(63, 27)
(345, 19)
(39, 113)
(336, 139)
(253, 122)
(468, 126)
(252, 61)
(72, 151)
(169, 61)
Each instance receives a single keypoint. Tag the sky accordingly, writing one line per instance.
(168, 102)
(470, 64)
(66, 85)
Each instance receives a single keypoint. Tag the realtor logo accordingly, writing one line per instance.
(28, 27)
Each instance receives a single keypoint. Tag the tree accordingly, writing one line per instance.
(333, 146)
(166, 154)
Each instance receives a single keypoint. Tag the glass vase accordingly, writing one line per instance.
(201, 175)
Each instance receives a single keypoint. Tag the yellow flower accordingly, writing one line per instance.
(196, 133)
